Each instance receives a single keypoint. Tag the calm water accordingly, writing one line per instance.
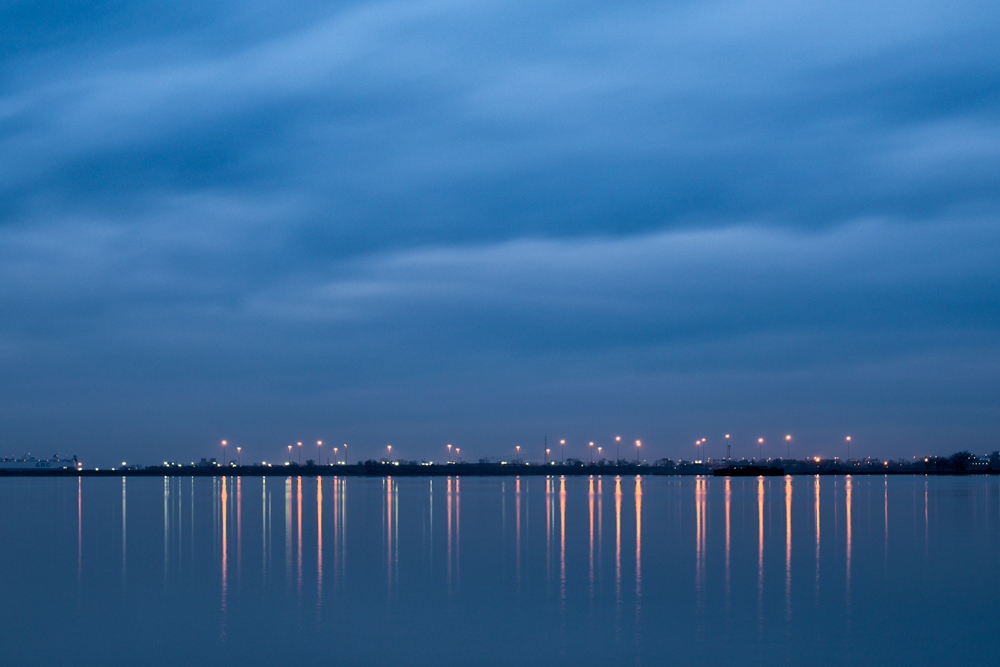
(487, 571)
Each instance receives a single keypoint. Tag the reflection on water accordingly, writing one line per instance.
(684, 590)
(788, 548)
(319, 544)
(847, 496)
(225, 549)
(449, 535)
(298, 516)
(638, 546)
(562, 542)
(618, 547)
(590, 552)
(729, 503)
(124, 535)
(79, 531)
(288, 532)
(760, 556)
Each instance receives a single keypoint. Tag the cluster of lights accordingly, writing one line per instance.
(701, 442)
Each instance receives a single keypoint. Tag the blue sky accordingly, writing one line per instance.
(481, 223)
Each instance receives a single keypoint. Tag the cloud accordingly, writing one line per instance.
(438, 121)
(416, 217)
(401, 344)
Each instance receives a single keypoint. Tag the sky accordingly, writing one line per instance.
(486, 223)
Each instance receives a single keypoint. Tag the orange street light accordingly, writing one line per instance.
(449, 453)
(289, 454)
(223, 453)
(300, 453)
(591, 452)
(239, 459)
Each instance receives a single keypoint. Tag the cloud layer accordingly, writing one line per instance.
(427, 221)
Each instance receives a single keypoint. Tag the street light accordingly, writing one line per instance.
(599, 453)
(518, 458)
(319, 455)
(300, 453)
(223, 453)
(618, 449)
(562, 450)
(390, 453)
(591, 452)
(289, 455)
(788, 447)
(239, 459)
(547, 456)
(760, 448)
(848, 450)
(458, 454)
(449, 453)
(729, 451)
(335, 455)
(637, 445)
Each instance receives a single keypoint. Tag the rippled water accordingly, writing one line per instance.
(498, 571)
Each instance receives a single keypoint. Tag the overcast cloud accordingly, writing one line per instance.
(481, 223)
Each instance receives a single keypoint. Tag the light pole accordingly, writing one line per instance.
(788, 447)
(300, 453)
(239, 458)
(449, 453)
(848, 450)
(729, 451)
(704, 451)
(319, 455)
(618, 449)
(760, 448)
(562, 451)
(599, 453)
(547, 456)
(637, 445)
(458, 455)
(223, 453)
(289, 455)
(591, 452)
(335, 455)
(517, 459)
(390, 453)
(345, 453)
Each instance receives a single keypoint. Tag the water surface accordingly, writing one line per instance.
(498, 571)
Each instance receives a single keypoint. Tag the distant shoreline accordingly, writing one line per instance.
(440, 470)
